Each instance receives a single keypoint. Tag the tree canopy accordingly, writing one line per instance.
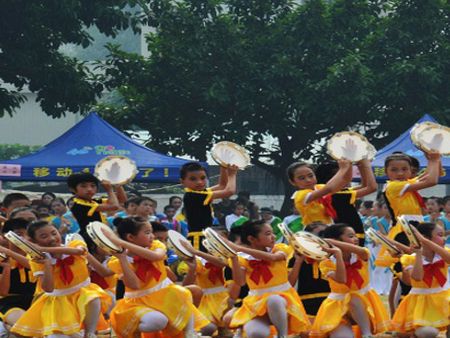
(247, 70)
(32, 33)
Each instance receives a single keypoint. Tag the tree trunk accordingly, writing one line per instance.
(286, 208)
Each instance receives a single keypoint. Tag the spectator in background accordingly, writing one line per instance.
(252, 208)
(146, 209)
(446, 218)
(58, 208)
(269, 218)
(74, 226)
(13, 201)
(433, 207)
(47, 198)
(169, 220)
(294, 221)
(236, 218)
(26, 213)
(365, 210)
(225, 206)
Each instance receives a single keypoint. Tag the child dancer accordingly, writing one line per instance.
(311, 287)
(207, 272)
(351, 295)
(151, 302)
(198, 197)
(425, 310)
(271, 299)
(70, 300)
(312, 201)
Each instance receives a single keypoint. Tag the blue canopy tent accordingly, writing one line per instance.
(404, 144)
(81, 147)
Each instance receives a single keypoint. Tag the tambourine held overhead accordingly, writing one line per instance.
(349, 145)
(431, 137)
(227, 153)
(118, 170)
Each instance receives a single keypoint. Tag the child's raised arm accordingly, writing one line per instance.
(223, 179)
(417, 270)
(432, 176)
(113, 203)
(230, 187)
(47, 282)
(336, 183)
(368, 182)
(129, 277)
(99, 267)
(5, 278)
(348, 247)
(237, 272)
(340, 274)
(258, 254)
(293, 274)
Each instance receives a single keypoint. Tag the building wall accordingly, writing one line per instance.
(31, 126)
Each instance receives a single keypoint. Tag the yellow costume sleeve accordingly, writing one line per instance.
(36, 268)
(77, 244)
(326, 266)
(407, 260)
(299, 198)
(114, 266)
(288, 250)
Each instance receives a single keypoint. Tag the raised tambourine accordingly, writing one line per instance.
(24, 245)
(212, 249)
(217, 241)
(174, 241)
(310, 245)
(350, 146)
(287, 233)
(407, 228)
(377, 239)
(228, 153)
(431, 137)
(95, 232)
(117, 170)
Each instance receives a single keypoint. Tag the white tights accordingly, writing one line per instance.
(153, 322)
(426, 332)
(276, 315)
(359, 315)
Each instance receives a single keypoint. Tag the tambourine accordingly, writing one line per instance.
(3, 257)
(174, 240)
(94, 231)
(117, 170)
(73, 237)
(377, 239)
(24, 245)
(212, 250)
(214, 238)
(407, 228)
(430, 137)
(351, 146)
(310, 245)
(286, 232)
(227, 153)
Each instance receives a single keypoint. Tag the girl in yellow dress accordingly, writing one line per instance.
(70, 300)
(313, 201)
(151, 302)
(207, 272)
(262, 264)
(351, 297)
(425, 310)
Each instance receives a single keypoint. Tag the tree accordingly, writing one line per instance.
(33, 32)
(246, 70)
(13, 151)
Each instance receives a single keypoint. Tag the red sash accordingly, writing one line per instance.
(260, 270)
(434, 270)
(353, 274)
(215, 273)
(65, 273)
(145, 269)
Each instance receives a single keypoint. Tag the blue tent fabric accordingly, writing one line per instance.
(81, 147)
(404, 144)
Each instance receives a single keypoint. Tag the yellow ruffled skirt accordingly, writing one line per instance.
(256, 306)
(422, 310)
(174, 301)
(213, 306)
(333, 311)
(60, 314)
